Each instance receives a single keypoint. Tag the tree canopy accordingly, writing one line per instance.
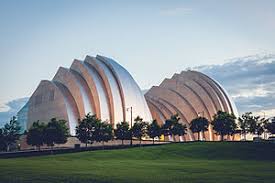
(122, 131)
(224, 124)
(139, 128)
(85, 131)
(198, 125)
(154, 130)
(10, 133)
(36, 134)
(56, 132)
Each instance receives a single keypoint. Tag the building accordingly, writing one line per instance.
(100, 86)
(22, 117)
(190, 94)
(97, 85)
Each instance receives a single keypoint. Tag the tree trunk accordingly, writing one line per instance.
(86, 144)
(122, 142)
(139, 142)
(244, 136)
(153, 140)
(39, 148)
(8, 148)
(52, 149)
(222, 137)
(198, 136)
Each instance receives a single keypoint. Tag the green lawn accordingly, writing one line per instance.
(191, 162)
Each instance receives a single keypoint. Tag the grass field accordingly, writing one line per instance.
(190, 162)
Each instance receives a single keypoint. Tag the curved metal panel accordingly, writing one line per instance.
(68, 79)
(111, 88)
(216, 88)
(183, 90)
(230, 102)
(182, 116)
(200, 92)
(131, 94)
(105, 109)
(85, 91)
(162, 108)
(53, 100)
(83, 70)
(71, 107)
(182, 105)
(207, 87)
(106, 61)
(156, 113)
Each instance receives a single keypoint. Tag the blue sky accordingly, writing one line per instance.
(149, 38)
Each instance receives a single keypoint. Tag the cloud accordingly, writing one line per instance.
(10, 109)
(176, 11)
(249, 80)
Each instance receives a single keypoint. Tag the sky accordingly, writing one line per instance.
(148, 38)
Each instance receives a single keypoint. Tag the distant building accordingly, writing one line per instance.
(22, 117)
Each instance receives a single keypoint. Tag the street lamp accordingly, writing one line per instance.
(131, 110)
(199, 114)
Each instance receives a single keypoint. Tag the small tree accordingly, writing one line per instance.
(56, 132)
(224, 124)
(198, 125)
(253, 124)
(122, 131)
(11, 133)
(103, 132)
(244, 122)
(2, 141)
(154, 130)
(178, 129)
(270, 128)
(265, 123)
(85, 132)
(35, 135)
(260, 127)
(139, 129)
(169, 123)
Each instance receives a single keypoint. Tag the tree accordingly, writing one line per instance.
(2, 141)
(198, 125)
(169, 123)
(122, 131)
(265, 124)
(56, 132)
(270, 128)
(253, 123)
(11, 133)
(139, 128)
(244, 122)
(260, 127)
(35, 135)
(154, 130)
(224, 124)
(85, 131)
(103, 132)
(178, 129)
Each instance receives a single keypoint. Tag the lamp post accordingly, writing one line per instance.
(131, 110)
(199, 114)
